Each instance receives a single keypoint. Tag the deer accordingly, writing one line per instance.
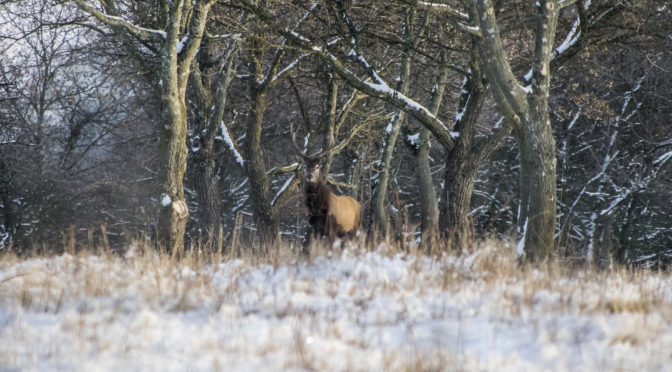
(329, 215)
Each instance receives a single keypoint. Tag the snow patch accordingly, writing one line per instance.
(229, 142)
(165, 200)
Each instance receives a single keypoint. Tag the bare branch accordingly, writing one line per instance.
(120, 23)
(379, 90)
(454, 17)
(566, 3)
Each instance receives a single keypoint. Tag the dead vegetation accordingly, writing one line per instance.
(329, 308)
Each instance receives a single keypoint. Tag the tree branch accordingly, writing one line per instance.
(379, 90)
(120, 23)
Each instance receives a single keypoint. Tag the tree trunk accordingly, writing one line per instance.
(173, 160)
(172, 157)
(207, 190)
(527, 110)
(380, 217)
(463, 160)
(265, 217)
(458, 226)
(207, 115)
(537, 185)
(429, 211)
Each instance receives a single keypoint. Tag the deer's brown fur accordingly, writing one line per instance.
(330, 215)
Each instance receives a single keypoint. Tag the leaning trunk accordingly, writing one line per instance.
(379, 214)
(428, 201)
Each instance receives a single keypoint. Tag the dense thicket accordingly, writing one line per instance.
(80, 116)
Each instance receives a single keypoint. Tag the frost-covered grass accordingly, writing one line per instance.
(351, 310)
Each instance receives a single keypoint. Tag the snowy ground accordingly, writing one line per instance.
(354, 311)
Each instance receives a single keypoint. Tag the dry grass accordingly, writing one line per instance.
(86, 290)
(181, 278)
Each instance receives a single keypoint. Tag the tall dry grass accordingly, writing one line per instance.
(180, 278)
(102, 285)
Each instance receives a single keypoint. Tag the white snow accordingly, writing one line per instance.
(165, 200)
(229, 142)
(414, 139)
(181, 43)
(283, 188)
(355, 311)
(520, 247)
(289, 67)
(663, 158)
(161, 33)
(571, 39)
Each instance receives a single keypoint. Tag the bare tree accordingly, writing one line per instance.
(175, 41)
(526, 109)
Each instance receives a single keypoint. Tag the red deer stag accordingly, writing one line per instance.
(330, 215)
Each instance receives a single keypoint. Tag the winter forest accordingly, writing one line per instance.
(546, 123)
(500, 176)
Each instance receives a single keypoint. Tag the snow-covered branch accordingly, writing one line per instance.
(226, 137)
(379, 89)
(570, 40)
(455, 17)
(286, 169)
(118, 22)
(565, 3)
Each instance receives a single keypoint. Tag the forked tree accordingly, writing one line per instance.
(174, 39)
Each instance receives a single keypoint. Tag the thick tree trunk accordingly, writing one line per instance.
(527, 110)
(265, 217)
(172, 161)
(207, 190)
(463, 160)
(459, 187)
(537, 186)
(207, 115)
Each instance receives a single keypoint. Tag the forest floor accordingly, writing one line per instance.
(354, 309)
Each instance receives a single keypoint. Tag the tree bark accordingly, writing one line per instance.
(429, 211)
(181, 18)
(207, 115)
(265, 217)
(526, 109)
(380, 217)
(429, 208)
(172, 157)
(462, 162)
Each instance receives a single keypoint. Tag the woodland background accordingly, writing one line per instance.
(81, 115)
